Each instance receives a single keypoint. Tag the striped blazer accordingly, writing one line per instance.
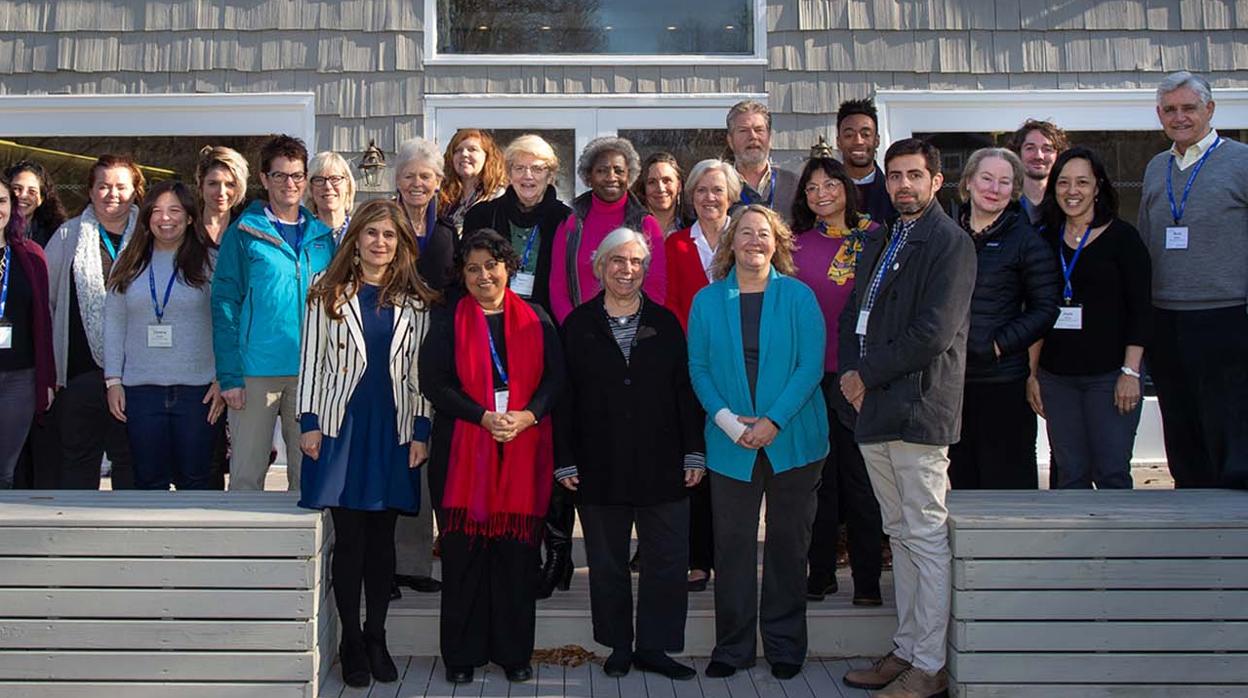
(333, 358)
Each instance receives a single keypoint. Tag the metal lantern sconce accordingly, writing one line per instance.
(371, 164)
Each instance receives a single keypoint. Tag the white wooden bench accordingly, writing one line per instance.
(163, 594)
(1116, 593)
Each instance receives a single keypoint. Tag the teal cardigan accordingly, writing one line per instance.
(791, 347)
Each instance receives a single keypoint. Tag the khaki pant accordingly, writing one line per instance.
(251, 432)
(910, 482)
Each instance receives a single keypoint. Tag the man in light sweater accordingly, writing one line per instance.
(1194, 219)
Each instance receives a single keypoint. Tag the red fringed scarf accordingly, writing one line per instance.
(487, 495)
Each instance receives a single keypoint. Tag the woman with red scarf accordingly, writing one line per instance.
(492, 367)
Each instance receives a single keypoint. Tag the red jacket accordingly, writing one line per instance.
(685, 276)
(29, 254)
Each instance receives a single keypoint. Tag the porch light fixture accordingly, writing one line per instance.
(371, 164)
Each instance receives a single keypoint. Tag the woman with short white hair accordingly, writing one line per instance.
(418, 169)
(331, 194)
(628, 375)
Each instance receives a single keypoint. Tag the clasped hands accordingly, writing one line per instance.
(505, 426)
(760, 433)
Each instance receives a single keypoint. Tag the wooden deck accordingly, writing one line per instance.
(423, 677)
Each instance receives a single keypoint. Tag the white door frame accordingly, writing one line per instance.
(589, 116)
(904, 112)
(292, 113)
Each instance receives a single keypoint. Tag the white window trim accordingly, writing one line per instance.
(902, 113)
(292, 113)
(589, 116)
(433, 58)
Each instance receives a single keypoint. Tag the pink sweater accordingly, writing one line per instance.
(602, 219)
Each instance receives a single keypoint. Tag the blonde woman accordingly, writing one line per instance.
(331, 191)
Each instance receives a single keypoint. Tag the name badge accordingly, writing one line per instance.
(6, 334)
(500, 400)
(1176, 237)
(522, 283)
(159, 336)
(863, 316)
(1069, 317)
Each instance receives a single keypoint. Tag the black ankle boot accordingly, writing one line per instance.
(558, 568)
(380, 663)
(354, 661)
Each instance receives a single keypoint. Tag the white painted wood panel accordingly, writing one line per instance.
(1109, 543)
(1098, 509)
(157, 634)
(156, 603)
(1097, 636)
(158, 542)
(1000, 690)
(95, 689)
(156, 666)
(1100, 574)
(213, 573)
(1111, 668)
(1100, 605)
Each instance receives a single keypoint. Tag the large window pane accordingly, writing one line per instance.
(1125, 153)
(659, 27)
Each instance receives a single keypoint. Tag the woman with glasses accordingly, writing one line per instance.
(331, 191)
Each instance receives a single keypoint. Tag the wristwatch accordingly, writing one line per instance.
(1128, 371)
(110, 382)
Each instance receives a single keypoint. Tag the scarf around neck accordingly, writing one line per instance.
(495, 492)
(89, 277)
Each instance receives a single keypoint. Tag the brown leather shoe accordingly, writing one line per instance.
(916, 683)
(887, 668)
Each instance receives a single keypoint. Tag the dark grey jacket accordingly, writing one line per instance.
(916, 336)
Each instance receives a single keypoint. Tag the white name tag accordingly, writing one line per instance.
(863, 316)
(522, 283)
(500, 400)
(6, 335)
(1069, 318)
(1176, 237)
(159, 336)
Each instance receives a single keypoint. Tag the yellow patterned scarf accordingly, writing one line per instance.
(841, 270)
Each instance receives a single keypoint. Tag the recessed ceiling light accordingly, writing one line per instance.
(483, 28)
(608, 27)
(729, 27)
(671, 28)
(545, 27)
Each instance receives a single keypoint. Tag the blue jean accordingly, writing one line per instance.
(171, 440)
(1090, 439)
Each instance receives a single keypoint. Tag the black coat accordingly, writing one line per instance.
(436, 264)
(1018, 285)
(498, 215)
(916, 340)
(627, 426)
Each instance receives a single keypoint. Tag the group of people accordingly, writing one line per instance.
(663, 353)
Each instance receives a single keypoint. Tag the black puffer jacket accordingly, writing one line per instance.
(1017, 290)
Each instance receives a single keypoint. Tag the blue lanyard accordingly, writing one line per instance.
(1068, 269)
(771, 192)
(498, 363)
(528, 247)
(1177, 210)
(151, 282)
(889, 255)
(108, 244)
(4, 278)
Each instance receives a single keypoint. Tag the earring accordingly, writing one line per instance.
(355, 258)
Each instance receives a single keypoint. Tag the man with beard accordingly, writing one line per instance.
(1037, 143)
(903, 356)
(858, 139)
(749, 139)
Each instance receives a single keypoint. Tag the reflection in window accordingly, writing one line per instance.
(657, 27)
(1125, 153)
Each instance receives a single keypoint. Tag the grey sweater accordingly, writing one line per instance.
(126, 317)
(1213, 271)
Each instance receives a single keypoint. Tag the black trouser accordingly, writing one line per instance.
(998, 446)
(87, 431)
(662, 600)
(363, 556)
(489, 601)
(845, 494)
(1199, 363)
(781, 614)
(701, 528)
(220, 456)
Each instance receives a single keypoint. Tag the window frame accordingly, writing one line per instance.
(434, 58)
(588, 116)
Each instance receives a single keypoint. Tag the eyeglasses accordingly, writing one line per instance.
(331, 180)
(537, 170)
(829, 186)
(281, 177)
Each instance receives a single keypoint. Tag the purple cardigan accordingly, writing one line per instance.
(35, 266)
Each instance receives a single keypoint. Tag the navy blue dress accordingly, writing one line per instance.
(365, 466)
